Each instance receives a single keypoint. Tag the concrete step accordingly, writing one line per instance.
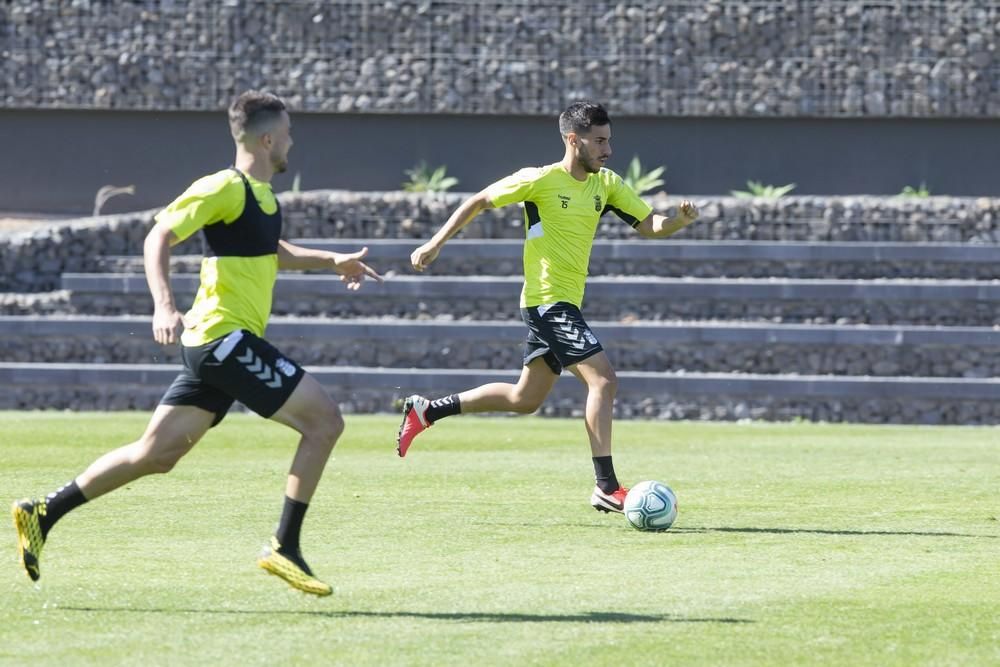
(904, 301)
(672, 258)
(664, 395)
(648, 346)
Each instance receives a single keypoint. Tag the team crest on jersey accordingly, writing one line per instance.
(597, 203)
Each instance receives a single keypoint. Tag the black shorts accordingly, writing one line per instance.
(239, 366)
(559, 334)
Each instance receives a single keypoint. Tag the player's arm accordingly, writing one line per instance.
(348, 264)
(463, 215)
(167, 320)
(656, 226)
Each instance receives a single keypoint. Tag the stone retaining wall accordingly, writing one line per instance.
(709, 408)
(340, 305)
(910, 58)
(32, 262)
(444, 352)
(453, 262)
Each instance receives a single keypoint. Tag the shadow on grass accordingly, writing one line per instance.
(819, 531)
(468, 617)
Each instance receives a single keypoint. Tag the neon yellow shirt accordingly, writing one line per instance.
(560, 219)
(235, 290)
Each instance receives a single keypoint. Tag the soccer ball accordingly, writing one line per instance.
(651, 506)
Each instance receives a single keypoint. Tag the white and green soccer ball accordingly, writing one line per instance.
(651, 506)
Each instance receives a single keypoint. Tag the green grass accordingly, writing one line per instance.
(795, 544)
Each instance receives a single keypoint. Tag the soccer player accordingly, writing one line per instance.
(225, 357)
(563, 203)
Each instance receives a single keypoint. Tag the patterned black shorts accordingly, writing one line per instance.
(559, 334)
(239, 366)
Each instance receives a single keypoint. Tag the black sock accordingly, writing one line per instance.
(290, 525)
(62, 500)
(604, 472)
(443, 407)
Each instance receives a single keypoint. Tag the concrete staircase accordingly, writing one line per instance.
(872, 332)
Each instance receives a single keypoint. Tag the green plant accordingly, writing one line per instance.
(758, 189)
(642, 182)
(109, 191)
(910, 191)
(426, 179)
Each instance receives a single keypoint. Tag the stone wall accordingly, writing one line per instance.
(907, 58)
(705, 408)
(32, 262)
(959, 360)
(338, 303)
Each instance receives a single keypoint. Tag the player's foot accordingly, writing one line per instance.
(414, 422)
(29, 534)
(292, 569)
(608, 502)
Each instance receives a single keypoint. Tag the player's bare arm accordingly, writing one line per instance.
(422, 257)
(167, 320)
(349, 265)
(657, 226)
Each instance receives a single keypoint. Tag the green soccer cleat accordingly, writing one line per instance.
(294, 571)
(29, 534)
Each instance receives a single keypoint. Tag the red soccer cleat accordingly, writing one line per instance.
(414, 422)
(608, 502)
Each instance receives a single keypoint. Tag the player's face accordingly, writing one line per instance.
(593, 148)
(281, 143)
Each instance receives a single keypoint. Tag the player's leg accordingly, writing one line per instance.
(562, 328)
(171, 433)
(539, 373)
(598, 375)
(310, 411)
(602, 385)
(534, 385)
(257, 374)
(524, 397)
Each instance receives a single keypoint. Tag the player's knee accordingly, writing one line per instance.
(606, 385)
(328, 428)
(154, 458)
(526, 404)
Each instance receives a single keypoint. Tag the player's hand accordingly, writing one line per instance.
(352, 270)
(687, 212)
(167, 325)
(422, 257)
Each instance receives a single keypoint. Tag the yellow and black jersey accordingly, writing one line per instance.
(241, 222)
(560, 219)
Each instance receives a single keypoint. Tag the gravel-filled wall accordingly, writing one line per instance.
(840, 58)
(33, 262)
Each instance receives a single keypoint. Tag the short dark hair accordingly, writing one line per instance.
(579, 117)
(252, 110)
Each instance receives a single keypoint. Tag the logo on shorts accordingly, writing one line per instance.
(285, 366)
(260, 370)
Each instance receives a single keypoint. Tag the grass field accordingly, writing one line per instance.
(795, 544)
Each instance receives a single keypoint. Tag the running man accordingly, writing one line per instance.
(225, 357)
(563, 203)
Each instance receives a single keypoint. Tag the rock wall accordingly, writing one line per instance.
(33, 262)
(910, 58)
